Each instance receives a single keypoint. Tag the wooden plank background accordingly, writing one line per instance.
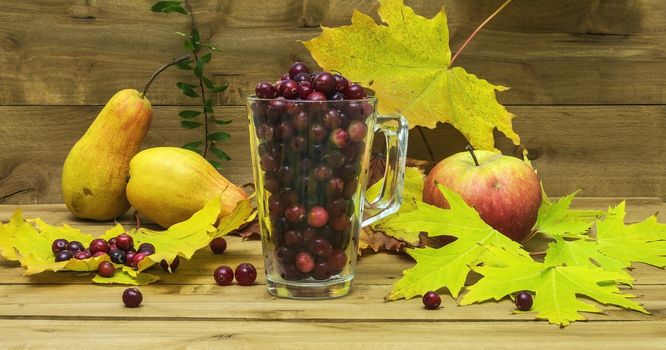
(587, 78)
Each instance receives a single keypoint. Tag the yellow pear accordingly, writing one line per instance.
(95, 172)
(169, 184)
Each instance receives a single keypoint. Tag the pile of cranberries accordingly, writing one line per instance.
(311, 128)
(120, 249)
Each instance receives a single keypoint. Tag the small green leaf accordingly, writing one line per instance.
(219, 136)
(211, 47)
(206, 58)
(222, 122)
(198, 70)
(188, 45)
(193, 146)
(185, 65)
(196, 38)
(209, 83)
(208, 106)
(215, 164)
(189, 114)
(188, 124)
(161, 5)
(187, 89)
(220, 154)
(220, 88)
(175, 8)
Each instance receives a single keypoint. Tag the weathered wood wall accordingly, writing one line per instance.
(588, 80)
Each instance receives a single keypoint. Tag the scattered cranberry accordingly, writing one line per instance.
(173, 266)
(223, 275)
(124, 242)
(431, 300)
(138, 258)
(59, 245)
(63, 256)
(132, 297)
(106, 269)
(146, 248)
(75, 247)
(218, 245)
(245, 274)
(99, 245)
(82, 255)
(129, 257)
(523, 301)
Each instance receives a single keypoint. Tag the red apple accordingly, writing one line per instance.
(504, 190)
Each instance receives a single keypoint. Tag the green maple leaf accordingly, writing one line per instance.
(557, 220)
(412, 193)
(29, 242)
(407, 63)
(556, 287)
(642, 242)
(449, 265)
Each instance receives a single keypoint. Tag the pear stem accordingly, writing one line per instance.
(469, 39)
(471, 151)
(150, 81)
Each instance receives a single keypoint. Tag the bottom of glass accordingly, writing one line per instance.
(333, 288)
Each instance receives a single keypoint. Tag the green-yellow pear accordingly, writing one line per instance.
(95, 173)
(169, 184)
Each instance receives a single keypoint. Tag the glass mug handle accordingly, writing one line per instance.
(396, 131)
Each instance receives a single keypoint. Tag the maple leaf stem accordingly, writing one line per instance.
(469, 39)
(425, 142)
(471, 151)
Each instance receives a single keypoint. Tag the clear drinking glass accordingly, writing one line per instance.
(310, 161)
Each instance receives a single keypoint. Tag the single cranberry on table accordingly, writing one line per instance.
(223, 275)
(245, 274)
(218, 245)
(431, 300)
(523, 301)
(132, 297)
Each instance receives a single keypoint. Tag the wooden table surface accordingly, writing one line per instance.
(187, 309)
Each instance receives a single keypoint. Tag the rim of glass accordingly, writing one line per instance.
(366, 99)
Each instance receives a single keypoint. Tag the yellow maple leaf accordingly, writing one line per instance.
(406, 62)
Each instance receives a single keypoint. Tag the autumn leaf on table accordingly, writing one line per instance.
(412, 192)
(407, 63)
(449, 265)
(555, 287)
(556, 220)
(377, 241)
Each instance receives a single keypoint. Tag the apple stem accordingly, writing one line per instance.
(150, 81)
(471, 151)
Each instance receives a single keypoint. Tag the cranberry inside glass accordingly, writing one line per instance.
(310, 150)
